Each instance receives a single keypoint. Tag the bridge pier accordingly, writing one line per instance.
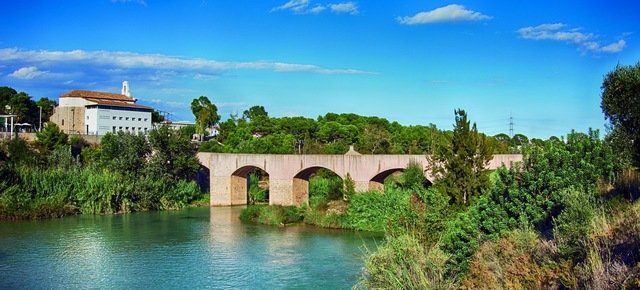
(288, 191)
(227, 190)
(361, 185)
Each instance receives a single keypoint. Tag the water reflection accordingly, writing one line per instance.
(194, 248)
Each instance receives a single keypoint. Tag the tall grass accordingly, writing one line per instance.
(54, 192)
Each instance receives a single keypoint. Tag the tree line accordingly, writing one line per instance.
(256, 132)
(58, 175)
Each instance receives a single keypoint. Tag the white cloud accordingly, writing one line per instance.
(558, 32)
(167, 64)
(438, 82)
(170, 104)
(614, 47)
(302, 7)
(297, 6)
(449, 13)
(27, 73)
(317, 9)
(141, 2)
(348, 7)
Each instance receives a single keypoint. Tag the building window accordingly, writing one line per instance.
(87, 117)
(139, 119)
(145, 119)
(145, 130)
(114, 127)
(62, 122)
(114, 117)
(120, 128)
(120, 118)
(127, 119)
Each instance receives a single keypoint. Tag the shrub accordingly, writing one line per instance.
(404, 262)
(573, 224)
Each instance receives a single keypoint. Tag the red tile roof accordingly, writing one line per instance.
(96, 95)
(116, 103)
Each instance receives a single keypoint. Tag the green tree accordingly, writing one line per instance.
(374, 139)
(51, 137)
(206, 114)
(462, 173)
(254, 112)
(156, 117)
(621, 105)
(124, 153)
(21, 105)
(47, 108)
(173, 154)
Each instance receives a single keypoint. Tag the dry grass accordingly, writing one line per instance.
(510, 263)
(522, 260)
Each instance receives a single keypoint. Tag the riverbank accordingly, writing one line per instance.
(56, 176)
(35, 193)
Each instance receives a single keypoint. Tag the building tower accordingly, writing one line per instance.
(125, 89)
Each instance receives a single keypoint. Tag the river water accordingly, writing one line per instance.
(196, 248)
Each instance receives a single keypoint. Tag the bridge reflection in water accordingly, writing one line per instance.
(289, 174)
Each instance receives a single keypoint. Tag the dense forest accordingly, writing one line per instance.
(255, 132)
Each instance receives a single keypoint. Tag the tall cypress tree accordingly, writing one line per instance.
(461, 165)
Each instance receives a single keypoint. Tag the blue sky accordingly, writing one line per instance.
(414, 62)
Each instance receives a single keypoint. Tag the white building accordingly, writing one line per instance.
(98, 113)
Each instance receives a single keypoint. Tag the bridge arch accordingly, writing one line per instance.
(300, 187)
(239, 183)
(377, 181)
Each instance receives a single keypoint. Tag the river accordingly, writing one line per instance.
(204, 248)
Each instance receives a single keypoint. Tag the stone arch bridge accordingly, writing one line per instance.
(289, 174)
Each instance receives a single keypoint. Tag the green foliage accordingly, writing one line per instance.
(206, 113)
(463, 174)
(349, 187)
(51, 137)
(573, 224)
(251, 213)
(621, 106)
(210, 146)
(374, 140)
(20, 105)
(188, 131)
(47, 108)
(413, 176)
(173, 154)
(17, 152)
(404, 262)
(318, 190)
(255, 193)
(156, 117)
(121, 175)
(272, 215)
(373, 211)
(124, 152)
(532, 194)
(53, 192)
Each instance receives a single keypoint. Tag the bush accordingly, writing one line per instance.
(404, 262)
(273, 214)
(573, 224)
(251, 213)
